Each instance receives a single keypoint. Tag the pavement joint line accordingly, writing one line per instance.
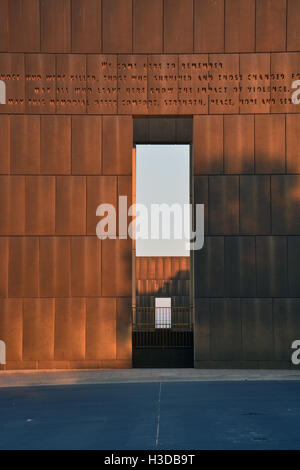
(158, 416)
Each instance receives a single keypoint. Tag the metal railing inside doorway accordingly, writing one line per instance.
(162, 328)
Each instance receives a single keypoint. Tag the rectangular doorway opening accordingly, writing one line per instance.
(162, 284)
(163, 312)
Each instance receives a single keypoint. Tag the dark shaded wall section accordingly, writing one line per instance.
(247, 276)
(64, 295)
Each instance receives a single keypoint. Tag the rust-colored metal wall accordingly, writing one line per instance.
(247, 275)
(167, 276)
(64, 295)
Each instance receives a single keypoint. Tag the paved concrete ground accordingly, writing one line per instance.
(71, 377)
(152, 415)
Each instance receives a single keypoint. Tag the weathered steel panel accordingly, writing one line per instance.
(270, 25)
(223, 205)
(55, 145)
(292, 143)
(86, 145)
(116, 268)
(12, 205)
(25, 144)
(55, 264)
(255, 95)
(117, 145)
(101, 326)
(55, 25)
(102, 84)
(86, 26)
(225, 84)
(294, 266)
(100, 190)
(4, 256)
(255, 205)
(209, 26)
(70, 205)
(38, 329)
(270, 144)
(285, 204)
(5, 144)
(178, 26)
(148, 26)
(163, 84)
(271, 266)
(238, 144)
(40, 88)
(225, 329)
(240, 274)
(12, 72)
(40, 205)
(293, 20)
(209, 268)
(70, 329)
(23, 270)
(4, 25)
(286, 326)
(208, 145)
(132, 84)
(11, 327)
(85, 267)
(24, 25)
(240, 26)
(71, 89)
(117, 26)
(257, 329)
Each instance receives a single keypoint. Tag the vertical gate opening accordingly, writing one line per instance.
(162, 287)
(163, 312)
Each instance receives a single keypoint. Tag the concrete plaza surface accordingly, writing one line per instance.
(157, 410)
(71, 377)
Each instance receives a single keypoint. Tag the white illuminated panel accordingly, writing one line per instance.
(163, 177)
(163, 312)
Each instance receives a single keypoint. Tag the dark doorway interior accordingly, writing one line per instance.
(163, 358)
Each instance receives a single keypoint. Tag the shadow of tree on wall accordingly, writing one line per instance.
(252, 240)
(177, 287)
